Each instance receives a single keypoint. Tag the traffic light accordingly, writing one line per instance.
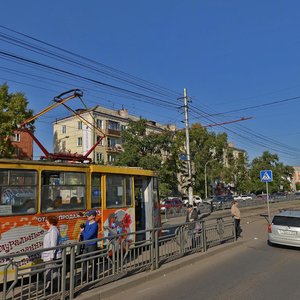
(184, 168)
(186, 182)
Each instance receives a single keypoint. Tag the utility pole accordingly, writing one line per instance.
(188, 155)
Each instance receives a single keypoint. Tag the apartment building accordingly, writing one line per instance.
(296, 178)
(72, 135)
(23, 145)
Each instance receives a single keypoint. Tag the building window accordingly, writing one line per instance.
(111, 142)
(79, 124)
(16, 137)
(113, 125)
(99, 157)
(63, 145)
(111, 158)
(123, 127)
(64, 129)
(99, 123)
(17, 151)
(101, 142)
(79, 141)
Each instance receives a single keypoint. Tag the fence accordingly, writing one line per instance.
(118, 256)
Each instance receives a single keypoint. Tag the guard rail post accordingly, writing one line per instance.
(72, 271)
(156, 248)
(204, 243)
(63, 273)
(152, 249)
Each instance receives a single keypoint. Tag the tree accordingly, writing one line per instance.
(241, 172)
(147, 151)
(282, 174)
(13, 110)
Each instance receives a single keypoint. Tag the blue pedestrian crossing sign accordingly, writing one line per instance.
(266, 176)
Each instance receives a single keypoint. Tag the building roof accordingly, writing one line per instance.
(120, 114)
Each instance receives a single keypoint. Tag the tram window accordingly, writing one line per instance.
(3, 177)
(18, 190)
(63, 191)
(155, 190)
(128, 191)
(117, 190)
(96, 190)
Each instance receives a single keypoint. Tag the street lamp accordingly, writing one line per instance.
(206, 176)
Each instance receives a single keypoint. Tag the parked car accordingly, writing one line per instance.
(261, 196)
(284, 228)
(197, 199)
(222, 202)
(243, 197)
(167, 204)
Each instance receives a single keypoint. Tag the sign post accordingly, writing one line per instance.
(267, 176)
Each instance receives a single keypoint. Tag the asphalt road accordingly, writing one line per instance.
(250, 270)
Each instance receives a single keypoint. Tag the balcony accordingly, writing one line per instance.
(113, 132)
(114, 149)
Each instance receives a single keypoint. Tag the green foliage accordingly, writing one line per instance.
(13, 110)
(161, 153)
(282, 174)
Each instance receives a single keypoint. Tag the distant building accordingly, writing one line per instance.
(73, 135)
(237, 153)
(23, 145)
(296, 178)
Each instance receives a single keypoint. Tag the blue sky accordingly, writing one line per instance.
(232, 56)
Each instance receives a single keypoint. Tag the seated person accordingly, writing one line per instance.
(28, 206)
(48, 205)
(74, 202)
(57, 203)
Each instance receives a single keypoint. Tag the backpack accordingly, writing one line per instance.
(58, 251)
(194, 214)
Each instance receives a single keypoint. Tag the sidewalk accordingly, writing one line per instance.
(249, 215)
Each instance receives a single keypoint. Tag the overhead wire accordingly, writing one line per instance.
(253, 137)
(150, 99)
(133, 79)
(137, 96)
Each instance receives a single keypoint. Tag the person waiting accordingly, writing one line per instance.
(28, 206)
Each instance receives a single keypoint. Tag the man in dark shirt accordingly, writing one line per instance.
(90, 232)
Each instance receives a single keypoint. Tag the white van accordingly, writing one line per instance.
(197, 199)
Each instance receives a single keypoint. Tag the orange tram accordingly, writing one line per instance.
(125, 199)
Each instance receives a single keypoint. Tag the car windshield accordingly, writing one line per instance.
(286, 221)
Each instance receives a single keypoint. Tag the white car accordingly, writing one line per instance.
(284, 229)
(243, 197)
(197, 199)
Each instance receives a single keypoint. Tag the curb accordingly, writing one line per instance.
(116, 287)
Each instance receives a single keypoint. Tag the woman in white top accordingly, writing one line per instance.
(51, 239)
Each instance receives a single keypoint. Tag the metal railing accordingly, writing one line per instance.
(116, 257)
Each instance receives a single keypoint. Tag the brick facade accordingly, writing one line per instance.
(23, 144)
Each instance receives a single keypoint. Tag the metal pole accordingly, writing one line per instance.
(190, 188)
(268, 202)
(205, 180)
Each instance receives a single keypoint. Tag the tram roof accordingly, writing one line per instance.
(92, 167)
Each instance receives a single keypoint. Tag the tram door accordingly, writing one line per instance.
(140, 185)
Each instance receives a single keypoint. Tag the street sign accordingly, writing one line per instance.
(183, 157)
(266, 176)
